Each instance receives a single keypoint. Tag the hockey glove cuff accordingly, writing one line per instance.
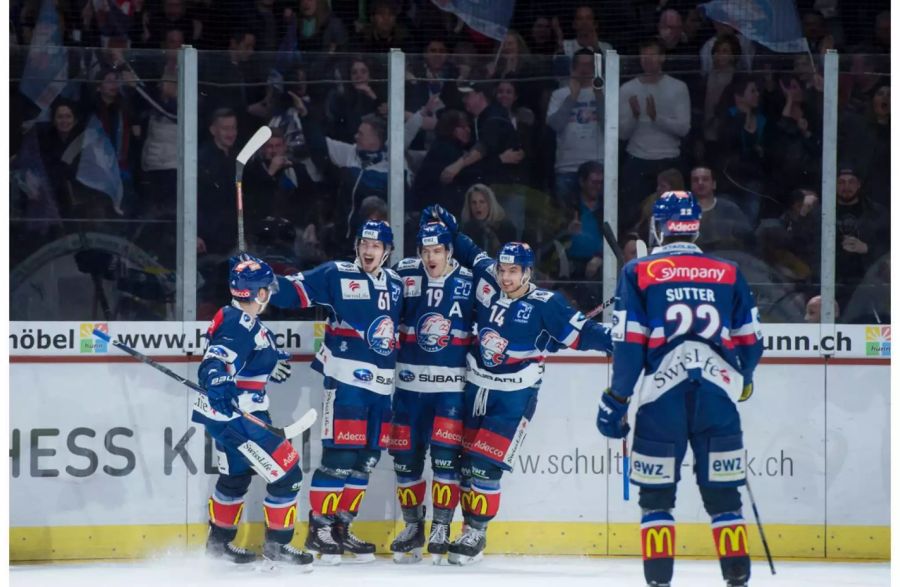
(612, 417)
(222, 393)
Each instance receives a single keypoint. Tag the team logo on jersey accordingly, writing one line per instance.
(492, 347)
(395, 292)
(407, 376)
(484, 292)
(433, 332)
(381, 335)
(261, 339)
(354, 289)
(363, 375)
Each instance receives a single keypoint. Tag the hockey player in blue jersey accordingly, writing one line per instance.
(516, 325)
(240, 358)
(435, 333)
(357, 359)
(688, 321)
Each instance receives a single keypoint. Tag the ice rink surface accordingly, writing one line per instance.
(494, 571)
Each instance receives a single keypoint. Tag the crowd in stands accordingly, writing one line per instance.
(508, 136)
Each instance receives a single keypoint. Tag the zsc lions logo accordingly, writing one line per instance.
(381, 335)
(492, 347)
(433, 332)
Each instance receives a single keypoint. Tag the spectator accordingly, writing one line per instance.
(174, 16)
(814, 310)
(159, 155)
(745, 55)
(871, 300)
(667, 180)
(584, 24)
(513, 58)
(654, 115)
(318, 29)
(275, 185)
(265, 26)
(670, 29)
(430, 79)
(816, 33)
(865, 138)
(723, 226)
(216, 219)
(227, 69)
(288, 113)
(64, 129)
(881, 42)
(113, 109)
(800, 226)
(725, 53)
(363, 168)
(496, 153)
(454, 134)
(541, 38)
(867, 74)
(522, 118)
(384, 32)
(586, 247)
(484, 220)
(795, 155)
(743, 140)
(349, 104)
(863, 233)
(575, 114)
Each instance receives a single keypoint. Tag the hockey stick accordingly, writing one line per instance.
(258, 139)
(759, 525)
(295, 429)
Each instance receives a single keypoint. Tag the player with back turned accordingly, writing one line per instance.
(688, 321)
(240, 358)
(357, 358)
(435, 332)
(516, 325)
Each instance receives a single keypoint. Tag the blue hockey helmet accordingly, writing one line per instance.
(434, 233)
(516, 254)
(377, 230)
(676, 213)
(248, 275)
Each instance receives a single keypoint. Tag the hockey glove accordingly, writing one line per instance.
(282, 370)
(747, 392)
(612, 417)
(436, 212)
(222, 393)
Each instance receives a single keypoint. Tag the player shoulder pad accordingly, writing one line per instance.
(465, 272)
(408, 263)
(391, 273)
(481, 257)
(541, 295)
(346, 267)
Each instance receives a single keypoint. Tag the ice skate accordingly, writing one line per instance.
(320, 540)
(408, 545)
(287, 553)
(438, 542)
(469, 547)
(362, 551)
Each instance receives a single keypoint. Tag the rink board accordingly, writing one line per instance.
(105, 462)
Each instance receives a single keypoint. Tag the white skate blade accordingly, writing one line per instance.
(327, 560)
(358, 559)
(462, 560)
(408, 558)
(439, 560)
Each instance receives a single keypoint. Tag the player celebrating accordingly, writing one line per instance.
(516, 325)
(689, 322)
(357, 359)
(435, 333)
(240, 358)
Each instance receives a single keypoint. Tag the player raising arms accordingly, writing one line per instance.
(435, 333)
(357, 359)
(689, 322)
(240, 358)
(516, 326)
